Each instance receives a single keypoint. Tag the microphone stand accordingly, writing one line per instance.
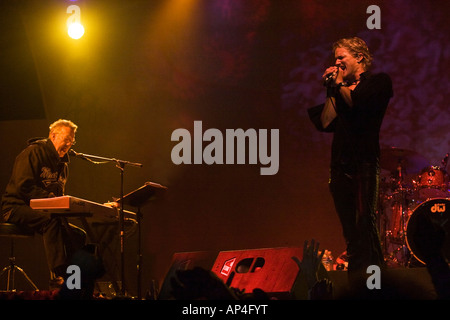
(120, 164)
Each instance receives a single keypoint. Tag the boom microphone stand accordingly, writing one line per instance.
(120, 164)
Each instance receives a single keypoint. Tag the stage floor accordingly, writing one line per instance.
(396, 283)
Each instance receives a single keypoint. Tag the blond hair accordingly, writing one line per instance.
(55, 126)
(356, 46)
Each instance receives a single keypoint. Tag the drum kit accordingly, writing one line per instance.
(411, 190)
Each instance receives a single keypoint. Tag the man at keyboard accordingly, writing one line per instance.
(40, 171)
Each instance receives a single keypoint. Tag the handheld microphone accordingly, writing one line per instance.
(330, 75)
(329, 78)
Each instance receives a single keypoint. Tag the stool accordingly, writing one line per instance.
(12, 231)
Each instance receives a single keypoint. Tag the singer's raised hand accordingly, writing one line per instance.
(330, 71)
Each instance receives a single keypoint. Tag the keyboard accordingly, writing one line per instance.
(70, 206)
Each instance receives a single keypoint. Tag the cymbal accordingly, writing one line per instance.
(410, 161)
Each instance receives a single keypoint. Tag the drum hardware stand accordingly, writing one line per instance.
(444, 162)
(403, 248)
(401, 209)
(403, 219)
(391, 253)
(120, 164)
(137, 199)
(383, 226)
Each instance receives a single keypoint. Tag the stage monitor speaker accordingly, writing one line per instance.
(185, 261)
(271, 270)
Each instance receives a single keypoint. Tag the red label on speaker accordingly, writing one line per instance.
(227, 266)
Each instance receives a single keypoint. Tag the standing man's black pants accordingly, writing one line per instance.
(355, 195)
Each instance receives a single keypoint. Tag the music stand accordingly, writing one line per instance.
(137, 199)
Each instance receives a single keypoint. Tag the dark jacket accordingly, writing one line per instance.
(38, 172)
(356, 130)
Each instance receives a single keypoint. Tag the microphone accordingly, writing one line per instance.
(329, 78)
(100, 160)
(73, 153)
(330, 75)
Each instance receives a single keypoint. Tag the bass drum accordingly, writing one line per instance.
(428, 228)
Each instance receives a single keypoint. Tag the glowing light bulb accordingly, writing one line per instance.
(76, 30)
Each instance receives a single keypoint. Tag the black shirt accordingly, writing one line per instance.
(356, 129)
(38, 172)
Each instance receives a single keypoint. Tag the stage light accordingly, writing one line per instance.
(74, 27)
(75, 31)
